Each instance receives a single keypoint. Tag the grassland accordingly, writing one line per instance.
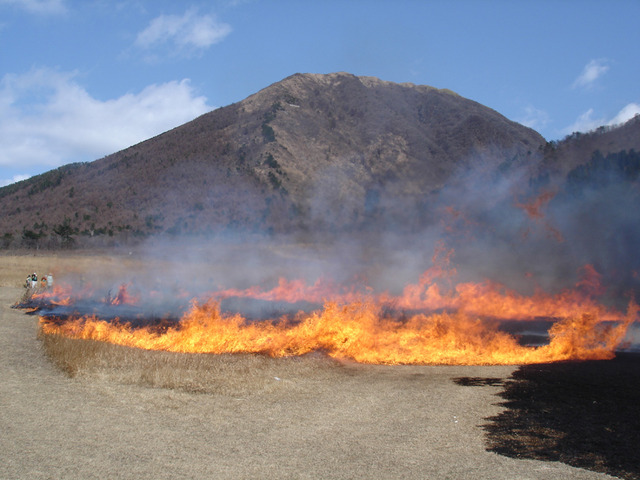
(80, 410)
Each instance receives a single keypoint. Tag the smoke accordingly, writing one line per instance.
(514, 233)
(502, 226)
(488, 224)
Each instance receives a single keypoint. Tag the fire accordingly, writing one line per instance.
(58, 295)
(488, 299)
(360, 332)
(433, 321)
(297, 290)
(63, 294)
(464, 330)
(123, 297)
(534, 210)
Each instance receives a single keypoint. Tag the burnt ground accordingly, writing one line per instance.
(584, 414)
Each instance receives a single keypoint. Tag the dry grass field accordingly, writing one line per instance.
(80, 410)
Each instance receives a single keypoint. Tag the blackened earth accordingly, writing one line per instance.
(585, 414)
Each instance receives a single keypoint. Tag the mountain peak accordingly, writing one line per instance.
(313, 151)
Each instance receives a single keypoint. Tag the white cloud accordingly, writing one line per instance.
(626, 114)
(16, 178)
(38, 6)
(587, 122)
(185, 34)
(534, 118)
(47, 119)
(590, 73)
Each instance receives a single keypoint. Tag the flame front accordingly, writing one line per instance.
(424, 324)
(361, 332)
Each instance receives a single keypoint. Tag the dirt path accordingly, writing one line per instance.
(354, 422)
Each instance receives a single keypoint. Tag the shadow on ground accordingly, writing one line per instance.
(585, 414)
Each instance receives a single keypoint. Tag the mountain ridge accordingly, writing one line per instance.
(311, 152)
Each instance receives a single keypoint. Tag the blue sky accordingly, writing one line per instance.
(80, 79)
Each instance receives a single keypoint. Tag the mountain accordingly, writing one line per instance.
(578, 148)
(332, 152)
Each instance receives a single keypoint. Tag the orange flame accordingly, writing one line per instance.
(490, 299)
(123, 297)
(534, 210)
(360, 331)
(297, 291)
(58, 295)
(62, 294)
(437, 325)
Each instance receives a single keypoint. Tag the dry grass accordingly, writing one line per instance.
(128, 413)
(199, 373)
(14, 267)
(230, 374)
(222, 374)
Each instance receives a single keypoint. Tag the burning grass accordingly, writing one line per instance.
(431, 322)
(360, 331)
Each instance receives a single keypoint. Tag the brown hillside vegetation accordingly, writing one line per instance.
(577, 148)
(313, 151)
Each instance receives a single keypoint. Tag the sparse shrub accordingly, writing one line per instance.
(275, 181)
(153, 221)
(272, 162)
(65, 232)
(272, 112)
(50, 179)
(7, 240)
(31, 239)
(242, 155)
(268, 133)
(291, 100)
